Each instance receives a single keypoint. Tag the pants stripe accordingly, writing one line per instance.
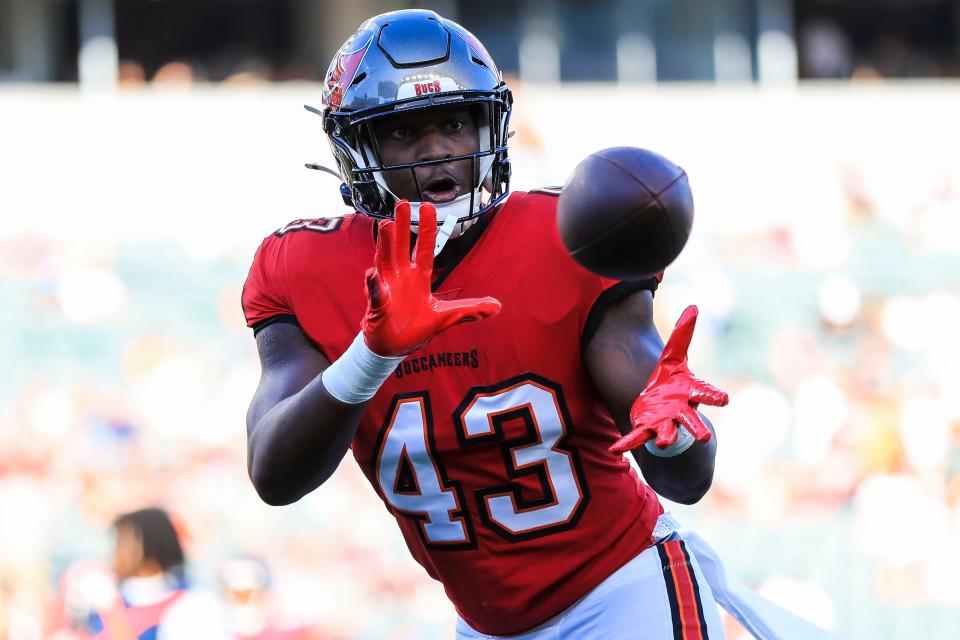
(671, 593)
(696, 588)
(682, 592)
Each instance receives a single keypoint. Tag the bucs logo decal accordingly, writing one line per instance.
(427, 87)
(344, 66)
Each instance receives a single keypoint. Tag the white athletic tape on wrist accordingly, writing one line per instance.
(684, 441)
(356, 376)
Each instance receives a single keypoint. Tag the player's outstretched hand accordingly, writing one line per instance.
(671, 396)
(402, 314)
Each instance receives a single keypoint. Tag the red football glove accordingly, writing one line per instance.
(671, 396)
(402, 314)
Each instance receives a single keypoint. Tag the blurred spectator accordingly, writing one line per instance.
(130, 73)
(154, 598)
(883, 39)
(174, 75)
(896, 56)
(825, 50)
(246, 585)
(244, 67)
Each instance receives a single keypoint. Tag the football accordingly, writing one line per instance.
(625, 213)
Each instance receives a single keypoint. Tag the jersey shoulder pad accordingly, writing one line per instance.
(282, 260)
(547, 191)
(316, 225)
(536, 203)
(308, 242)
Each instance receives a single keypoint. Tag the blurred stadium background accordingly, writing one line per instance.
(146, 146)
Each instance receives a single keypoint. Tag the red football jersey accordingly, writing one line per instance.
(489, 444)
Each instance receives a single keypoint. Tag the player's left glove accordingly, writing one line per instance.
(671, 397)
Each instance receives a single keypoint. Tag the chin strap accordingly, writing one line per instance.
(448, 214)
(445, 232)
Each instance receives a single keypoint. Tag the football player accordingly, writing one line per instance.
(485, 383)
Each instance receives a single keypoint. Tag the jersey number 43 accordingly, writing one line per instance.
(413, 481)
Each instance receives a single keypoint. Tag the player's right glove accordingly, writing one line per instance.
(402, 314)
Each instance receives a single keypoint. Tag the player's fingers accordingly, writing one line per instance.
(426, 237)
(679, 341)
(401, 247)
(690, 419)
(466, 310)
(642, 410)
(632, 440)
(384, 258)
(667, 432)
(705, 393)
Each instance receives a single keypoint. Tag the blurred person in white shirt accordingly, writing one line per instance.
(152, 600)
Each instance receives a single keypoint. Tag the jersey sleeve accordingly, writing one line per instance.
(594, 293)
(608, 293)
(629, 286)
(264, 297)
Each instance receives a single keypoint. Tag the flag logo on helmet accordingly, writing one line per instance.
(344, 67)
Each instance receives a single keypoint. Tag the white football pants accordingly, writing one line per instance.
(668, 592)
(659, 595)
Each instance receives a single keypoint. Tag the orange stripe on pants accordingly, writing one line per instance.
(685, 588)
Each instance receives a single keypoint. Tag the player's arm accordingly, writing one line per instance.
(644, 398)
(306, 410)
(297, 433)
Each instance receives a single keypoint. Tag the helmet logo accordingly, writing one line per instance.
(427, 87)
(343, 68)
(424, 85)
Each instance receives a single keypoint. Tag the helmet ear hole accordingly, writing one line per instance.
(329, 126)
(366, 193)
(506, 170)
(346, 194)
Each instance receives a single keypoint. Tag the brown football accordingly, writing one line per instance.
(625, 213)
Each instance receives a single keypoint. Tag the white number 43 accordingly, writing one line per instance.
(413, 481)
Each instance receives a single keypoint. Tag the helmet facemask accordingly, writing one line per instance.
(363, 167)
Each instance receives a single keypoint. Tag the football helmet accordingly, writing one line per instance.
(409, 60)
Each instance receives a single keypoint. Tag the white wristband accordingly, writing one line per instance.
(684, 441)
(356, 376)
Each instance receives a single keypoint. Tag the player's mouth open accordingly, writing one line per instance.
(440, 190)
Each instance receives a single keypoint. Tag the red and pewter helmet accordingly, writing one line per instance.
(411, 60)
